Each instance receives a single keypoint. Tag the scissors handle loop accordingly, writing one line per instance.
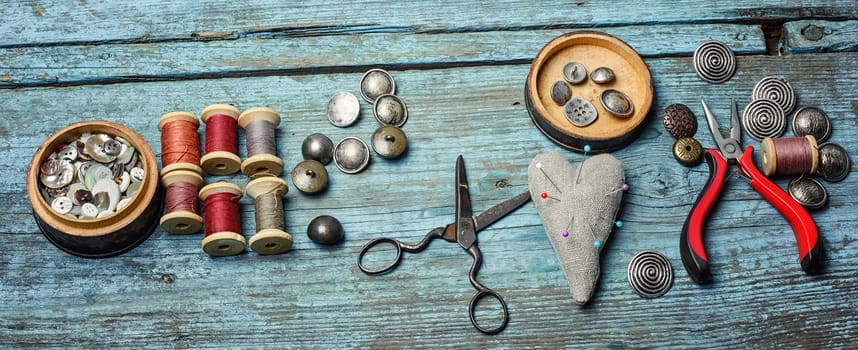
(483, 292)
(400, 247)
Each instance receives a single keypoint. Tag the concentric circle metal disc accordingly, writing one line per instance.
(650, 274)
(775, 89)
(763, 118)
(714, 62)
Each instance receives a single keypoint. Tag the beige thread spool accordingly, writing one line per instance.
(262, 163)
(222, 243)
(267, 193)
(220, 162)
(182, 222)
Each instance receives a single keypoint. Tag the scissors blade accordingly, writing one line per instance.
(465, 233)
(500, 210)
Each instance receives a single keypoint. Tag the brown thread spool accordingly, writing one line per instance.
(181, 215)
(789, 156)
(267, 193)
(223, 226)
(180, 145)
(221, 157)
(260, 124)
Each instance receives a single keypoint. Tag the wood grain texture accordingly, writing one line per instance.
(167, 293)
(820, 36)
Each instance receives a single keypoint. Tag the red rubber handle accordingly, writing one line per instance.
(691, 238)
(806, 234)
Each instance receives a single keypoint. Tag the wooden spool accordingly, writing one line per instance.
(103, 237)
(220, 162)
(593, 50)
(223, 243)
(182, 222)
(261, 164)
(177, 116)
(269, 241)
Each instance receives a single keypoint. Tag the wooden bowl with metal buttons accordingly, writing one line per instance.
(588, 51)
(124, 226)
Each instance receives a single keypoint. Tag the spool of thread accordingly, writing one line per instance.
(180, 145)
(181, 201)
(222, 220)
(789, 156)
(221, 147)
(271, 237)
(259, 124)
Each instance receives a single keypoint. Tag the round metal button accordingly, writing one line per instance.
(834, 163)
(325, 229)
(602, 75)
(62, 205)
(318, 147)
(617, 103)
(811, 121)
(688, 151)
(574, 72)
(376, 82)
(351, 155)
(390, 110)
(714, 62)
(679, 121)
(560, 92)
(389, 142)
(580, 112)
(808, 192)
(343, 109)
(310, 177)
(763, 118)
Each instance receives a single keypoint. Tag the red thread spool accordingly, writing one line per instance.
(789, 155)
(180, 145)
(222, 220)
(221, 147)
(181, 202)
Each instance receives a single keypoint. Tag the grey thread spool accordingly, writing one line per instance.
(777, 90)
(763, 118)
(271, 237)
(714, 62)
(259, 125)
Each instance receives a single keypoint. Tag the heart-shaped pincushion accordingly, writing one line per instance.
(578, 208)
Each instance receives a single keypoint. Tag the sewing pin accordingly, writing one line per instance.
(578, 175)
(624, 188)
(539, 166)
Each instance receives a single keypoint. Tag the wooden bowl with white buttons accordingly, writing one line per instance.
(104, 196)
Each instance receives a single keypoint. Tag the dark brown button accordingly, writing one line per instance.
(679, 121)
(688, 151)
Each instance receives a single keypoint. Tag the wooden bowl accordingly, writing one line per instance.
(103, 237)
(592, 49)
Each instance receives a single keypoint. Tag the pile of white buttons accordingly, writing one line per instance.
(92, 177)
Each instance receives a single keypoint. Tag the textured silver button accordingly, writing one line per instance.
(834, 163)
(602, 75)
(560, 92)
(808, 192)
(376, 82)
(318, 147)
(574, 72)
(390, 110)
(580, 112)
(389, 142)
(617, 103)
(811, 121)
(777, 90)
(343, 109)
(351, 155)
(310, 177)
(62, 205)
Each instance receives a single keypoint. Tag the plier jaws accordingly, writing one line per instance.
(730, 147)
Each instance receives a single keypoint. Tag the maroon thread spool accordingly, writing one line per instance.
(789, 155)
(222, 221)
(181, 216)
(221, 144)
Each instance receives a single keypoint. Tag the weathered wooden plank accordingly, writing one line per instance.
(820, 36)
(93, 64)
(167, 293)
(63, 22)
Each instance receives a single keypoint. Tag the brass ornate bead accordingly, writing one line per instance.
(688, 151)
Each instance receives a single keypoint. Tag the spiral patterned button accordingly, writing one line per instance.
(775, 89)
(650, 274)
(763, 118)
(714, 62)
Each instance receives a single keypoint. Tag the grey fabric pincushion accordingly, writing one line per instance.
(577, 211)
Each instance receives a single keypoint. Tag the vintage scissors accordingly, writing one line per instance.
(691, 239)
(463, 231)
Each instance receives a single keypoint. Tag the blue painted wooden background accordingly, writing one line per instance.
(460, 67)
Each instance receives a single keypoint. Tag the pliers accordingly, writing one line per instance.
(730, 150)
